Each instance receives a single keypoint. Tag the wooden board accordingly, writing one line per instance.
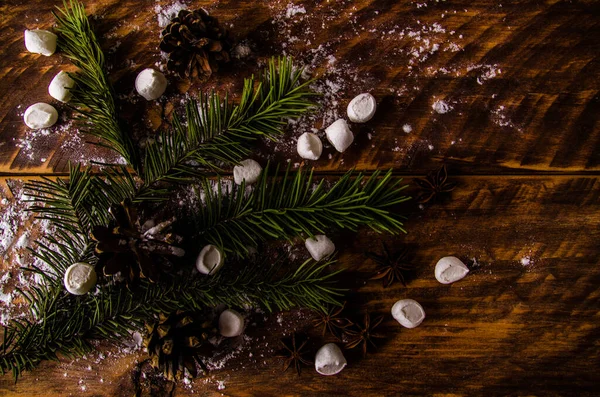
(521, 78)
(522, 139)
(505, 329)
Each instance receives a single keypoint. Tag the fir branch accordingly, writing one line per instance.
(272, 286)
(67, 325)
(218, 132)
(283, 208)
(79, 203)
(92, 95)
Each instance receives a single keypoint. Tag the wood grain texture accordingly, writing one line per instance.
(522, 139)
(505, 329)
(521, 78)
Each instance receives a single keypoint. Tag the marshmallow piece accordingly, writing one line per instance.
(339, 135)
(60, 86)
(450, 269)
(231, 323)
(408, 312)
(80, 278)
(40, 115)
(40, 41)
(362, 108)
(330, 360)
(319, 247)
(248, 170)
(209, 260)
(309, 146)
(150, 84)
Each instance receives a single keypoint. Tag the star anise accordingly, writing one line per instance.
(293, 353)
(363, 334)
(331, 320)
(434, 184)
(391, 267)
(122, 248)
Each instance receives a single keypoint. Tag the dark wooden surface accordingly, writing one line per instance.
(523, 145)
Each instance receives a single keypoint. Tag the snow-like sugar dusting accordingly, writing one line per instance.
(166, 13)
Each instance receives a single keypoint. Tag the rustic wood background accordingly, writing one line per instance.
(524, 146)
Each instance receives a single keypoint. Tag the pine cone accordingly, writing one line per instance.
(176, 342)
(122, 248)
(196, 44)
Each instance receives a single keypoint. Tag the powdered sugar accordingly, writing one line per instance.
(17, 228)
(486, 72)
(166, 13)
(500, 118)
(441, 107)
(293, 10)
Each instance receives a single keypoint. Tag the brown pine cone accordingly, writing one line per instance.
(176, 342)
(123, 249)
(196, 44)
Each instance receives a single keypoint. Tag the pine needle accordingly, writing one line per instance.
(221, 133)
(92, 96)
(216, 132)
(290, 206)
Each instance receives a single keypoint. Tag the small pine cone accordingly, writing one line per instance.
(196, 44)
(177, 342)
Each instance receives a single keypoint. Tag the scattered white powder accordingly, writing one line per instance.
(487, 72)
(166, 13)
(420, 43)
(293, 10)
(526, 261)
(441, 107)
(500, 118)
(242, 50)
(17, 228)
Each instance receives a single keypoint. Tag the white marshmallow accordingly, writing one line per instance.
(319, 247)
(60, 86)
(339, 135)
(330, 360)
(309, 146)
(231, 323)
(80, 278)
(248, 170)
(209, 260)
(40, 115)
(450, 269)
(150, 84)
(40, 42)
(408, 312)
(362, 108)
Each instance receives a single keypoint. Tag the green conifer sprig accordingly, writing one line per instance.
(79, 203)
(93, 95)
(61, 324)
(274, 286)
(67, 325)
(215, 133)
(219, 133)
(290, 206)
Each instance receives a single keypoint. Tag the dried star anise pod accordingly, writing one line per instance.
(434, 184)
(196, 44)
(123, 249)
(363, 334)
(391, 267)
(293, 353)
(331, 320)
